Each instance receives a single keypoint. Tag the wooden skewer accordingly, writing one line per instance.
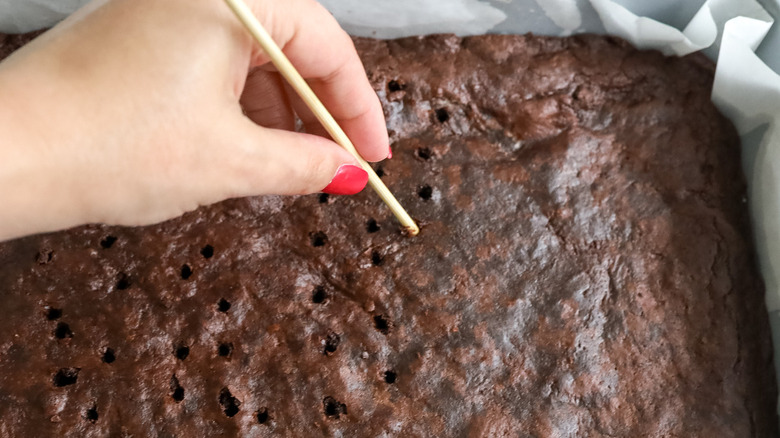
(300, 86)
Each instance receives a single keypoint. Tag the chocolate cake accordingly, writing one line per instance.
(584, 269)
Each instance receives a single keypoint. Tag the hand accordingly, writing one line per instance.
(133, 112)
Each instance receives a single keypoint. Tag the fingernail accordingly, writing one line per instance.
(389, 153)
(349, 179)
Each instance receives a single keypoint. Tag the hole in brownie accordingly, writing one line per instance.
(424, 153)
(318, 239)
(186, 271)
(92, 414)
(109, 356)
(380, 171)
(332, 342)
(230, 405)
(177, 392)
(223, 305)
(207, 252)
(376, 258)
(390, 376)
(332, 407)
(393, 86)
(63, 331)
(372, 226)
(324, 198)
(262, 415)
(425, 193)
(318, 296)
(382, 324)
(442, 115)
(53, 313)
(66, 376)
(576, 93)
(44, 256)
(123, 281)
(225, 349)
(181, 351)
(108, 241)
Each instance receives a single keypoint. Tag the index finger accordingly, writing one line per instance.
(326, 57)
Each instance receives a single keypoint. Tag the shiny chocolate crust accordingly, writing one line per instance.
(584, 268)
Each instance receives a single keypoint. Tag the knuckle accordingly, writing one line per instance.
(316, 173)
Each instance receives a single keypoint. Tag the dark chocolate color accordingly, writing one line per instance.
(584, 269)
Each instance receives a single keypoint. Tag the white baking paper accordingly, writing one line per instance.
(389, 19)
(18, 16)
(737, 33)
(647, 33)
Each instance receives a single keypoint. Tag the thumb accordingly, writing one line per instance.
(280, 162)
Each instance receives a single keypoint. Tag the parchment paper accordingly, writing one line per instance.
(736, 33)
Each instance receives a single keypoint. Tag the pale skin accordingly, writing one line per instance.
(131, 112)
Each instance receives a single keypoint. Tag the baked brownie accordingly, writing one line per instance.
(584, 269)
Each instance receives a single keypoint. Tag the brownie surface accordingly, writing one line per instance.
(584, 269)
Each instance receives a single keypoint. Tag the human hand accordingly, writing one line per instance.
(133, 112)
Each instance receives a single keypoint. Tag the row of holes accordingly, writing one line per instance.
(63, 330)
(319, 238)
(394, 85)
(319, 296)
(424, 192)
(123, 280)
(224, 349)
(230, 404)
(53, 314)
(186, 270)
(332, 341)
(107, 242)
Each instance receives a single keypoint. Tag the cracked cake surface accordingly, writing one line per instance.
(584, 269)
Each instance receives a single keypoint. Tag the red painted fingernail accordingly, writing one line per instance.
(389, 153)
(349, 179)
